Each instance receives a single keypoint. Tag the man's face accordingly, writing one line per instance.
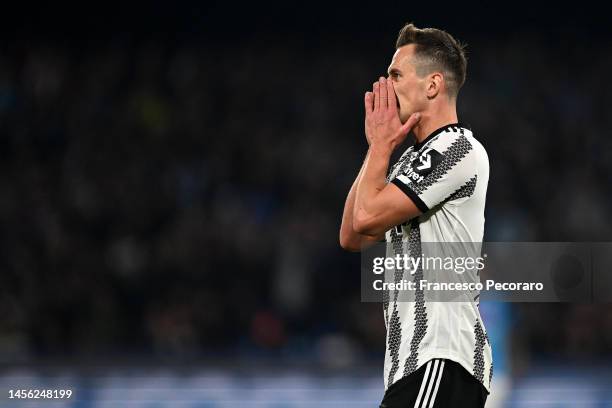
(409, 88)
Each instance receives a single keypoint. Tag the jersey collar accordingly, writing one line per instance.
(417, 146)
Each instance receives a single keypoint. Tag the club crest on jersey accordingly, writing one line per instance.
(422, 165)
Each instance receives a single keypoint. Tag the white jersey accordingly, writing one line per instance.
(446, 176)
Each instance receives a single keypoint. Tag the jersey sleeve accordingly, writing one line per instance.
(444, 170)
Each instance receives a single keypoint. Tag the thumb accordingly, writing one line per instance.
(410, 123)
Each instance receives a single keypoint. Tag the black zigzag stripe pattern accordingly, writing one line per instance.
(394, 325)
(393, 342)
(465, 190)
(420, 311)
(453, 155)
(481, 340)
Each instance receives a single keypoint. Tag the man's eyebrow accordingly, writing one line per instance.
(394, 71)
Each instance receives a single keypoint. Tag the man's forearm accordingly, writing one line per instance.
(372, 180)
(349, 239)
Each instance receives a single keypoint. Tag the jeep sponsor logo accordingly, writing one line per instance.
(413, 175)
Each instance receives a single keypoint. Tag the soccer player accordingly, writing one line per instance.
(437, 353)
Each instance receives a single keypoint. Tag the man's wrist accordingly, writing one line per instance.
(381, 149)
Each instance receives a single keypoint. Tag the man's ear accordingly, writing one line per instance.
(434, 85)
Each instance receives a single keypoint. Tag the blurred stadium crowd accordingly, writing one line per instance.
(182, 200)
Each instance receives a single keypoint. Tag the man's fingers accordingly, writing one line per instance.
(410, 123)
(376, 96)
(369, 100)
(384, 98)
(392, 98)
